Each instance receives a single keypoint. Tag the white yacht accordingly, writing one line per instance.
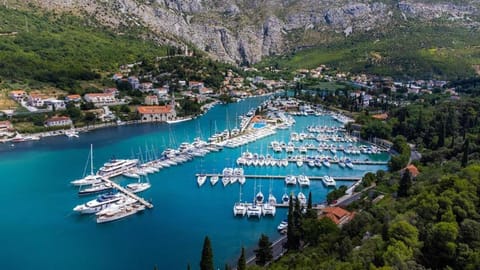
(341, 163)
(349, 163)
(299, 162)
(303, 180)
(138, 187)
(131, 174)
(291, 180)
(285, 198)
(101, 202)
(126, 200)
(96, 188)
(283, 225)
(269, 209)
(90, 179)
(326, 163)
(329, 181)
(117, 167)
(201, 179)
(214, 179)
(301, 197)
(240, 208)
(115, 214)
(259, 197)
(254, 210)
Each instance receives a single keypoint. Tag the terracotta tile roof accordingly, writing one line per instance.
(337, 215)
(99, 95)
(58, 118)
(154, 109)
(73, 96)
(382, 116)
(17, 92)
(413, 170)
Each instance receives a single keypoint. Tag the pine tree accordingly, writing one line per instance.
(206, 263)
(242, 262)
(264, 252)
(405, 184)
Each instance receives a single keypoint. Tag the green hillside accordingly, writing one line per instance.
(407, 49)
(62, 50)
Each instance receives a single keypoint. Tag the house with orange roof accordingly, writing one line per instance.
(17, 95)
(380, 116)
(413, 170)
(195, 85)
(156, 113)
(37, 100)
(338, 215)
(73, 98)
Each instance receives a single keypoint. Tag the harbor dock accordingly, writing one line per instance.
(282, 177)
(128, 193)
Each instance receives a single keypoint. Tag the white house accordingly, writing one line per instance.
(58, 121)
(100, 98)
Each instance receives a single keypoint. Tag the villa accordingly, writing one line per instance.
(156, 113)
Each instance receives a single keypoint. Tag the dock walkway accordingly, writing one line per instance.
(128, 193)
(282, 177)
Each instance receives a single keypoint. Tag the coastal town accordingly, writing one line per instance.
(32, 114)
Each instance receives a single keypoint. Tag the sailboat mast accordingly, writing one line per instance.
(91, 159)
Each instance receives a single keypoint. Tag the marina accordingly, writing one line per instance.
(173, 191)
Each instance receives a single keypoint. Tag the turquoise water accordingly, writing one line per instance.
(39, 230)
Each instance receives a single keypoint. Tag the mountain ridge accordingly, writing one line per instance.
(244, 32)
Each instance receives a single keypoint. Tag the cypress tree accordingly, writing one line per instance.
(264, 252)
(309, 205)
(405, 184)
(242, 262)
(292, 238)
(206, 263)
(465, 153)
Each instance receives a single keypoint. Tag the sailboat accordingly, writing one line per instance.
(90, 179)
(240, 208)
(214, 179)
(254, 210)
(269, 208)
(259, 197)
(138, 186)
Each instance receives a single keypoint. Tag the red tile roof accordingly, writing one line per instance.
(337, 215)
(413, 170)
(154, 109)
(382, 116)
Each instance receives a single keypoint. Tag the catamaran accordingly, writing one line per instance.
(303, 180)
(329, 181)
(240, 208)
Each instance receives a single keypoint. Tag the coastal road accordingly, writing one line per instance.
(277, 250)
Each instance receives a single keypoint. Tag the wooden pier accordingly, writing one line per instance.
(128, 193)
(281, 177)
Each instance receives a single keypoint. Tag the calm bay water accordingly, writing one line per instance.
(39, 230)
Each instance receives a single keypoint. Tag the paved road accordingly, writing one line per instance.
(277, 250)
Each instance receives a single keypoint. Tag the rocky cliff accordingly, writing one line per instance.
(243, 31)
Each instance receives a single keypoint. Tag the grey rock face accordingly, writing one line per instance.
(243, 31)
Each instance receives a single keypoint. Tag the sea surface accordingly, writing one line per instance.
(38, 229)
